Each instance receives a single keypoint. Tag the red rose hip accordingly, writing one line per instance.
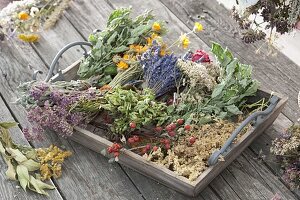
(180, 121)
(187, 127)
(132, 125)
(192, 140)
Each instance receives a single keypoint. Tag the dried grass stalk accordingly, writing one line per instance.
(55, 15)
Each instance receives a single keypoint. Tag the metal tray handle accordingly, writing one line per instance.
(58, 56)
(257, 117)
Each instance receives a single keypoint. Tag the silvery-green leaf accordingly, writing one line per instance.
(10, 172)
(2, 150)
(16, 154)
(39, 186)
(234, 110)
(31, 165)
(31, 154)
(103, 152)
(23, 176)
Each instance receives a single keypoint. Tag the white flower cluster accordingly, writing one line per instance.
(203, 76)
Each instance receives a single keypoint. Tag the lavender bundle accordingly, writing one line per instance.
(160, 72)
(49, 105)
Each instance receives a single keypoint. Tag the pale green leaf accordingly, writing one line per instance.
(10, 172)
(233, 109)
(120, 49)
(39, 186)
(8, 125)
(31, 165)
(23, 176)
(16, 154)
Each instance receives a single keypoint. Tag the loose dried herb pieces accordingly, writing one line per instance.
(189, 155)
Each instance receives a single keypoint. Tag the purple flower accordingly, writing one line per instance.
(160, 72)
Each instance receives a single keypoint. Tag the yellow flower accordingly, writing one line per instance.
(197, 27)
(28, 37)
(163, 51)
(122, 65)
(126, 56)
(184, 41)
(154, 35)
(156, 27)
(23, 16)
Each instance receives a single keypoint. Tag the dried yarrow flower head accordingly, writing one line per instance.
(51, 160)
(189, 155)
(198, 74)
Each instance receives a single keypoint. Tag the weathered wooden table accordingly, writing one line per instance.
(88, 175)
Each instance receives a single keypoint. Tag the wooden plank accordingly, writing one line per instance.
(11, 189)
(54, 39)
(101, 181)
(93, 15)
(276, 73)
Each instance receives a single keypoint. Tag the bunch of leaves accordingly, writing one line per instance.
(160, 72)
(120, 32)
(128, 106)
(48, 105)
(287, 150)
(21, 161)
(27, 18)
(234, 86)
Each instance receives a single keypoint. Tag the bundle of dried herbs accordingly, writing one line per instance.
(279, 16)
(121, 32)
(25, 19)
(27, 165)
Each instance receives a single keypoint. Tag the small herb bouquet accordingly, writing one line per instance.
(174, 110)
(25, 19)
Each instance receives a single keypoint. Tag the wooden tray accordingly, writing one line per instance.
(159, 173)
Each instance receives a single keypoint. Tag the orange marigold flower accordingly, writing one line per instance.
(105, 88)
(122, 65)
(23, 16)
(156, 26)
